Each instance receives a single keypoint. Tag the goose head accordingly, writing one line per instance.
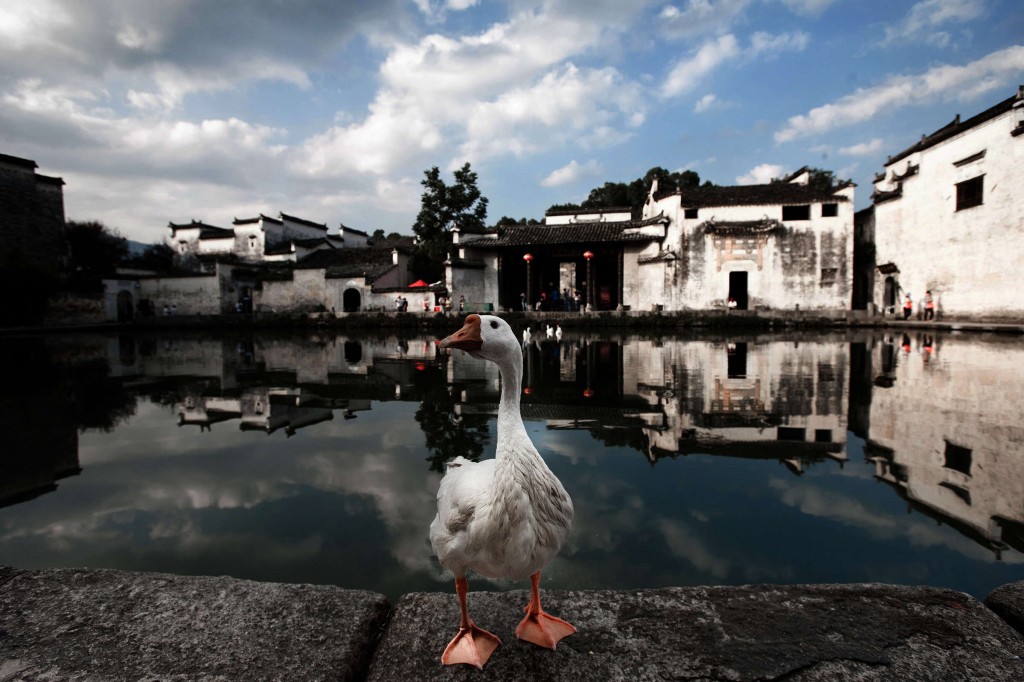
(484, 336)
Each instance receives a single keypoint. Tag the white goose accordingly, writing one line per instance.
(505, 517)
(527, 335)
(558, 332)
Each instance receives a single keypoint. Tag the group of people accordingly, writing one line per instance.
(443, 302)
(563, 301)
(928, 306)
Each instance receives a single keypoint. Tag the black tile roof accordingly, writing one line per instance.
(776, 193)
(369, 262)
(205, 231)
(301, 221)
(588, 211)
(249, 221)
(576, 233)
(954, 127)
(18, 161)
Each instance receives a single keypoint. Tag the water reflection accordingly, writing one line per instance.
(154, 441)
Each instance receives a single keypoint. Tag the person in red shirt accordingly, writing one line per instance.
(929, 306)
(908, 307)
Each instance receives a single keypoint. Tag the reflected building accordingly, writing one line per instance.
(945, 431)
(783, 400)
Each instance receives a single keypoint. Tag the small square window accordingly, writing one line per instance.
(791, 433)
(958, 458)
(970, 193)
(802, 212)
(691, 213)
(829, 210)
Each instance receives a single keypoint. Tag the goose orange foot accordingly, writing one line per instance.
(472, 646)
(538, 627)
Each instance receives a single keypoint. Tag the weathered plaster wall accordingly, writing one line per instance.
(196, 295)
(307, 291)
(947, 389)
(32, 218)
(807, 264)
(967, 258)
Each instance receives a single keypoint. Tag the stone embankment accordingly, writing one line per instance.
(72, 624)
(699, 320)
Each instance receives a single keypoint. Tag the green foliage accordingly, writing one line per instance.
(158, 257)
(442, 207)
(94, 251)
(505, 221)
(377, 234)
(634, 194)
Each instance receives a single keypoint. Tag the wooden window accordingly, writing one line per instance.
(970, 193)
(802, 212)
(829, 210)
(690, 213)
(958, 458)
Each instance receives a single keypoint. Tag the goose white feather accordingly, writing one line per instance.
(506, 517)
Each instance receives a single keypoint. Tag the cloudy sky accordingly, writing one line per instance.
(157, 111)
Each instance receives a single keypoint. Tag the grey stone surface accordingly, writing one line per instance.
(113, 625)
(803, 632)
(1008, 603)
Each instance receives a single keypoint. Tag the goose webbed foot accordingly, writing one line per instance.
(472, 646)
(538, 627)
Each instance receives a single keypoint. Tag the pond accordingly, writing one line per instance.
(691, 460)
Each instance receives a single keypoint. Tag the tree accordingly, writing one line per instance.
(158, 257)
(377, 235)
(634, 194)
(443, 207)
(94, 251)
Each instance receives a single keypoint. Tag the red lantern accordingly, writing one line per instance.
(588, 254)
(527, 257)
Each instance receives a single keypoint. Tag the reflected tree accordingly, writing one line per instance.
(447, 436)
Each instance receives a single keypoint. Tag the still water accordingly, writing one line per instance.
(691, 460)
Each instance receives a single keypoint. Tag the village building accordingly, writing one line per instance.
(947, 219)
(267, 265)
(32, 220)
(786, 245)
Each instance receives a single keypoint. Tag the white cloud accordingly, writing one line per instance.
(761, 175)
(704, 103)
(571, 172)
(965, 82)
(699, 17)
(687, 73)
(766, 44)
(921, 25)
(862, 149)
(808, 7)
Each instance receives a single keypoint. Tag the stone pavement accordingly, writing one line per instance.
(69, 624)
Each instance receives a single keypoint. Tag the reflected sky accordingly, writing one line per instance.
(690, 461)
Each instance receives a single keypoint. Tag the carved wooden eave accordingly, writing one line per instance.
(888, 268)
(741, 228)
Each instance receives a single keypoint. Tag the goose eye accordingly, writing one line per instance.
(494, 325)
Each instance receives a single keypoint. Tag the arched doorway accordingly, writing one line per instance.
(738, 289)
(351, 301)
(889, 296)
(125, 306)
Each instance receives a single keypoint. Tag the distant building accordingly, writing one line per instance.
(948, 217)
(31, 213)
(784, 245)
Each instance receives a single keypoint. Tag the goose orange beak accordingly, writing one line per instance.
(467, 338)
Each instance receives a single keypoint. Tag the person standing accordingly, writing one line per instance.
(929, 306)
(908, 308)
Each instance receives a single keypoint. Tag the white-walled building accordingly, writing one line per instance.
(785, 245)
(948, 217)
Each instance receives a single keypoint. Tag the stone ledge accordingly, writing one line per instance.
(70, 624)
(800, 632)
(1008, 603)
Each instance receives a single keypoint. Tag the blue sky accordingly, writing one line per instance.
(155, 112)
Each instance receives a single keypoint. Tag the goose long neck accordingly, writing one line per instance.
(510, 419)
